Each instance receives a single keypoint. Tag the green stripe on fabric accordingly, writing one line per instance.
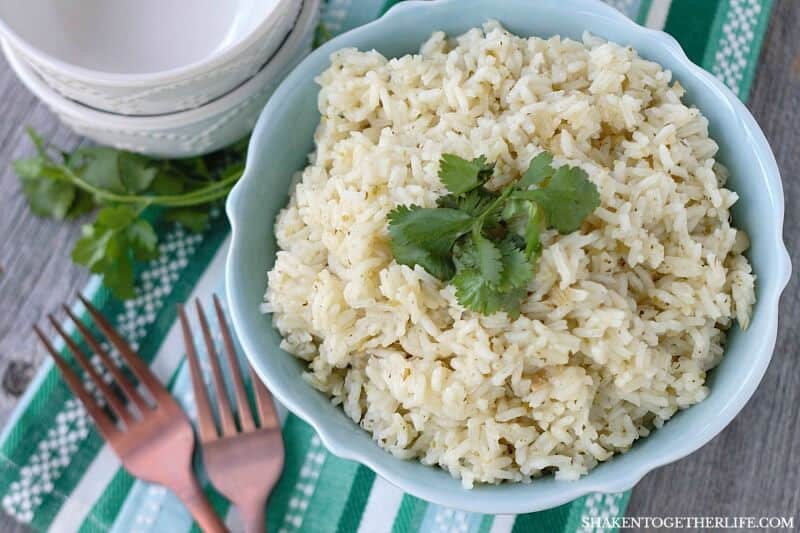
(759, 32)
(690, 22)
(576, 509)
(732, 55)
(330, 495)
(556, 519)
(486, 523)
(106, 508)
(644, 9)
(299, 434)
(388, 4)
(409, 515)
(356, 500)
(218, 502)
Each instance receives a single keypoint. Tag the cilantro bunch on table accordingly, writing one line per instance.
(125, 190)
(486, 242)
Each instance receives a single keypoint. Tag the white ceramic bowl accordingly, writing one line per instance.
(146, 57)
(186, 133)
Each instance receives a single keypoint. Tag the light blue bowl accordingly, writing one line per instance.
(284, 136)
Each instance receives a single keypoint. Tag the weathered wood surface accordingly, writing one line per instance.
(752, 468)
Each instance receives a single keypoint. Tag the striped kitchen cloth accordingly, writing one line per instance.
(57, 474)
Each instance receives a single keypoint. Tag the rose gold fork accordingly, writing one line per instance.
(244, 465)
(154, 442)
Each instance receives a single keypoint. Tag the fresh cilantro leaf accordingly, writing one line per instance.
(135, 172)
(116, 217)
(83, 203)
(490, 260)
(60, 184)
(143, 240)
(167, 183)
(539, 169)
(511, 301)
(517, 269)
(91, 248)
(474, 292)
(48, 197)
(119, 279)
(484, 242)
(434, 229)
(425, 237)
(567, 199)
(194, 219)
(460, 175)
(98, 166)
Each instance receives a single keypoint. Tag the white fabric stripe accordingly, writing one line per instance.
(91, 486)
(503, 523)
(657, 17)
(382, 505)
(233, 522)
(105, 465)
(170, 354)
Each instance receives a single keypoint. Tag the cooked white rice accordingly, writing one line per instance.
(624, 317)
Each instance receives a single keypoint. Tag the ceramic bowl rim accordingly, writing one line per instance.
(222, 104)
(140, 81)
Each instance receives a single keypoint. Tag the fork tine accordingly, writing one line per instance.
(245, 415)
(101, 419)
(205, 418)
(266, 409)
(140, 369)
(223, 404)
(108, 363)
(110, 396)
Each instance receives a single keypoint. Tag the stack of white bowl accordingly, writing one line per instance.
(165, 78)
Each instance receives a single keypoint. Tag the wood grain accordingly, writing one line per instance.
(752, 468)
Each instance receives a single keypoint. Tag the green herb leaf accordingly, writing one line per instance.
(432, 228)
(119, 279)
(460, 175)
(484, 242)
(91, 248)
(116, 217)
(490, 260)
(143, 240)
(539, 169)
(98, 166)
(568, 199)
(59, 185)
(135, 172)
(425, 237)
(167, 183)
(47, 197)
(517, 269)
(83, 203)
(474, 292)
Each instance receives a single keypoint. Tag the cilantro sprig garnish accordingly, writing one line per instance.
(484, 242)
(122, 186)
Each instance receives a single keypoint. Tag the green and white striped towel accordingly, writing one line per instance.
(56, 472)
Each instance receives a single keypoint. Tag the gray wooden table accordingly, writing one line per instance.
(751, 469)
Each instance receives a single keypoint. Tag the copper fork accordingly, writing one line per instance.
(152, 437)
(244, 463)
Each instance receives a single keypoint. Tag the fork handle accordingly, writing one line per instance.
(253, 517)
(203, 513)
